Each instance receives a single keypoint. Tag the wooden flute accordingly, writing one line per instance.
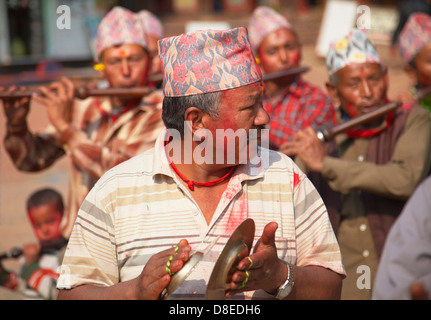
(84, 92)
(422, 93)
(329, 133)
(284, 73)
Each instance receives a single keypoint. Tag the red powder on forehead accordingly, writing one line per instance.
(362, 71)
(278, 32)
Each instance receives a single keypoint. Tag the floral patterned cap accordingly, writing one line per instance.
(263, 21)
(207, 61)
(119, 26)
(415, 34)
(152, 24)
(353, 48)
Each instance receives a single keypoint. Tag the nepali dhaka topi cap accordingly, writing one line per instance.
(119, 26)
(207, 61)
(152, 24)
(414, 36)
(263, 21)
(353, 48)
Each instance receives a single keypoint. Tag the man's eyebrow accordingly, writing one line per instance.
(252, 99)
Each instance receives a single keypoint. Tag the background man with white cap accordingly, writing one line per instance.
(291, 102)
(138, 224)
(368, 173)
(97, 133)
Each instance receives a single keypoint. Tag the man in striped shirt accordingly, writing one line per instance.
(138, 225)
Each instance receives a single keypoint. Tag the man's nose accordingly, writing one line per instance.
(367, 91)
(125, 68)
(283, 56)
(262, 117)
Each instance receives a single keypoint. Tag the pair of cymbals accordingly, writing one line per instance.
(237, 248)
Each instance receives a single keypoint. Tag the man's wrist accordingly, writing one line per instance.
(284, 273)
(286, 286)
(13, 128)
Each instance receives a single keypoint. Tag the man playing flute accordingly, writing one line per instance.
(291, 102)
(366, 175)
(97, 133)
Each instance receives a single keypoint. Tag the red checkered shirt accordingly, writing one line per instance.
(299, 106)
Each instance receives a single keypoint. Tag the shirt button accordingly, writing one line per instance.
(365, 253)
(363, 227)
(360, 158)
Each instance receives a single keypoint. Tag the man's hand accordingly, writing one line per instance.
(308, 147)
(16, 110)
(149, 285)
(261, 270)
(155, 277)
(418, 291)
(58, 99)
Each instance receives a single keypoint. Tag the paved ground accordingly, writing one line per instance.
(16, 186)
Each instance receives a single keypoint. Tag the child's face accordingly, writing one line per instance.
(423, 66)
(45, 221)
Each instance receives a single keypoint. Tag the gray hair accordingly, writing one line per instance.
(174, 108)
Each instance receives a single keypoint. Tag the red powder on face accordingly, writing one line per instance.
(351, 110)
(362, 72)
(279, 32)
(123, 53)
(261, 56)
(295, 58)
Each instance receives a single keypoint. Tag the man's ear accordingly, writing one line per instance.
(102, 74)
(196, 118)
(411, 72)
(385, 77)
(333, 93)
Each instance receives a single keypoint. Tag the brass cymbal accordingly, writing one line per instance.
(179, 277)
(237, 248)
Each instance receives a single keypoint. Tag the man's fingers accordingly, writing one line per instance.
(69, 86)
(256, 260)
(268, 234)
(170, 260)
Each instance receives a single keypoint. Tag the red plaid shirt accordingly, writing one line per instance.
(300, 105)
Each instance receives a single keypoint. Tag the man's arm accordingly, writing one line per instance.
(149, 285)
(29, 152)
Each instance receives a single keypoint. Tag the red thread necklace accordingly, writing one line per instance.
(367, 133)
(191, 184)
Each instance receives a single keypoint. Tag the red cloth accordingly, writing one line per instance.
(301, 105)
